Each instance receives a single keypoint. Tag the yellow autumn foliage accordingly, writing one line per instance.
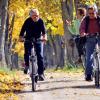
(9, 83)
(88, 2)
(49, 10)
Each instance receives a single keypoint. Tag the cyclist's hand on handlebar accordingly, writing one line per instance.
(44, 38)
(21, 39)
(83, 34)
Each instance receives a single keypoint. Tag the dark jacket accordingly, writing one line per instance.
(32, 29)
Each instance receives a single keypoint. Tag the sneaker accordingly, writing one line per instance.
(36, 77)
(41, 77)
(89, 77)
(26, 70)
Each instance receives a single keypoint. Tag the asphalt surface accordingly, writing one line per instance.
(60, 86)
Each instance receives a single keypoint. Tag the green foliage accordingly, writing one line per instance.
(88, 2)
(73, 69)
(67, 69)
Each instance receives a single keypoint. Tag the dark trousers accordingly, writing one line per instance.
(80, 44)
(39, 53)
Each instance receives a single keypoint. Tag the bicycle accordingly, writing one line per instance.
(74, 42)
(96, 63)
(33, 67)
(96, 60)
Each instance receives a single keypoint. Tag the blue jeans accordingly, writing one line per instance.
(90, 47)
(39, 52)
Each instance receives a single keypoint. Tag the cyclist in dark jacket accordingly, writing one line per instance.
(91, 28)
(33, 27)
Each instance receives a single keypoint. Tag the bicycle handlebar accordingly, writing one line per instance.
(96, 35)
(33, 40)
(93, 35)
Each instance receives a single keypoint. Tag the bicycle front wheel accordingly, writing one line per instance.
(97, 78)
(96, 71)
(34, 82)
(34, 76)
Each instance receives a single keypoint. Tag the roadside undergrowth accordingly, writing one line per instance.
(9, 84)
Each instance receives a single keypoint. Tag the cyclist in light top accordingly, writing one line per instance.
(73, 27)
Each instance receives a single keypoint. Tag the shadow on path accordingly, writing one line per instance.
(50, 82)
(85, 87)
(59, 87)
(43, 90)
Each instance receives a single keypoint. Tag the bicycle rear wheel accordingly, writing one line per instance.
(96, 71)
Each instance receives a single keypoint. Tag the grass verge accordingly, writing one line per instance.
(67, 70)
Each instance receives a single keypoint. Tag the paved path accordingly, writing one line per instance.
(61, 86)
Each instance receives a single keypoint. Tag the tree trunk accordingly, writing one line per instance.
(14, 56)
(59, 44)
(8, 41)
(54, 52)
(0, 23)
(67, 13)
(4, 6)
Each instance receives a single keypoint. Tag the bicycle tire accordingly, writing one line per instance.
(96, 71)
(33, 76)
(33, 84)
(96, 78)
